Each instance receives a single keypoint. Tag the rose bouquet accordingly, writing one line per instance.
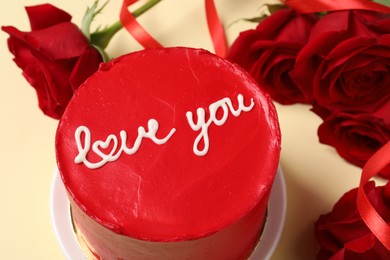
(335, 57)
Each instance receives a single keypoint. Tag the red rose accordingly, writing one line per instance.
(55, 56)
(342, 231)
(356, 137)
(268, 53)
(346, 62)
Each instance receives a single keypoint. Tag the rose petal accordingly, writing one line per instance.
(46, 15)
(346, 50)
(50, 79)
(327, 32)
(62, 41)
(87, 64)
(362, 244)
(386, 194)
(382, 112)
(290, 26)
(241, 52)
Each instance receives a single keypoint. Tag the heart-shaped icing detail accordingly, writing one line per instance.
(99, 146)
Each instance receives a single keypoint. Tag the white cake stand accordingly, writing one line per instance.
(60, 218)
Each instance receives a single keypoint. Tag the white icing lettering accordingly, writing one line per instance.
(225, 104)
(112, 140)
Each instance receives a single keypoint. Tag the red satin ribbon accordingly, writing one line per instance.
(315, 6)
(134, 28)
(373, 220)
(216, 29)
(215, 26)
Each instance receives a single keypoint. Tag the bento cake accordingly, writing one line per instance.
(169, 154)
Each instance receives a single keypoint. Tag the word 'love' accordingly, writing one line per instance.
(114, 154)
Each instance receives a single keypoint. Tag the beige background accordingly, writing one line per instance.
(315, 175)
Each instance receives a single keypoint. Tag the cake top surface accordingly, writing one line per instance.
(168, 144)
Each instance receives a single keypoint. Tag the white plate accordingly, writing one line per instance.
(275, 220)
(60, 217)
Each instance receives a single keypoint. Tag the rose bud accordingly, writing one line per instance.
(268, 52)
(55, 56)
(356, 137)
(346, 62)
(343, 232)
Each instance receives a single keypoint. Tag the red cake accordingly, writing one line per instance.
(169, 154)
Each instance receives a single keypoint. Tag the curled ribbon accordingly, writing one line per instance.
(134, 28)
(315, 6)
(373, 220)
(216, 29)
(215, 26)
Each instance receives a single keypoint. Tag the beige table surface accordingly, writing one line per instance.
(315, 175)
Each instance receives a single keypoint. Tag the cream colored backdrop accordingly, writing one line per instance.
(315, 175)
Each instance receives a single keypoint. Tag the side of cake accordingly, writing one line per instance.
(169, 154)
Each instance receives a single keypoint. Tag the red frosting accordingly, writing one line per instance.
(165, 192)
